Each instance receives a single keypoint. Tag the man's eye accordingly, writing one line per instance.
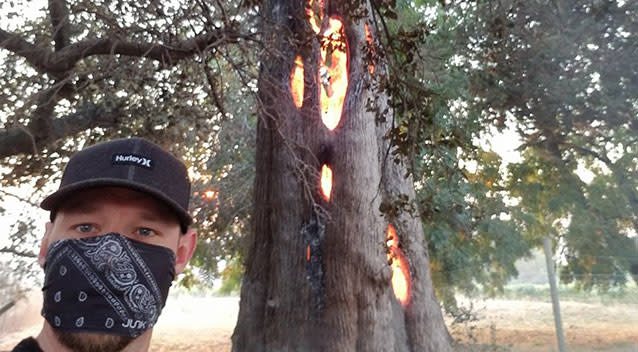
(85, 228)
(145, 232)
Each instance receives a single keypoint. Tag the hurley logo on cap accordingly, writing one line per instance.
(132, 159)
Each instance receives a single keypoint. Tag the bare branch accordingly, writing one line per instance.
(59, 13)
(36, 56)
(22, 199)
(18, 253)
(585, 151)
(6, 307)
(21, 140)
(168, 54)
(212, 83)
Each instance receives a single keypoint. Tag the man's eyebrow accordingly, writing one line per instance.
(78, 206)
(157, 216)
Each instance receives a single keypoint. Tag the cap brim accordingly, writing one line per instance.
(54, 200)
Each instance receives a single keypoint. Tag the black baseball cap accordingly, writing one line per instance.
(133, 163)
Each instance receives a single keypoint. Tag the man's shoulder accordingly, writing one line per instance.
(27, 345)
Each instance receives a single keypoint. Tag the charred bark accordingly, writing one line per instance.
(317, 274)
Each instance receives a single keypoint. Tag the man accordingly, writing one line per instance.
(119, 233)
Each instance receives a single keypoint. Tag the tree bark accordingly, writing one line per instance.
(317, 275)
(553, 288)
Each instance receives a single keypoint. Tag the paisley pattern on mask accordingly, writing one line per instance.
(109, 256)
(107, 283)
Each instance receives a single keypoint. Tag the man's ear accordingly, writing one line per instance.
(185, 249)
(44, 245)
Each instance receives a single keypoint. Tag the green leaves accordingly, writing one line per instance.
(563, 82)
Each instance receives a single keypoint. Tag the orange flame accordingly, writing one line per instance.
(326, 181)
(297, 82)
(210, 194)
(400, 268)
(315, 18)
(333, 73)
(370, 42)
(307, 253)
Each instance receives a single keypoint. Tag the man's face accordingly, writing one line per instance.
(111, 209)
(133, 214)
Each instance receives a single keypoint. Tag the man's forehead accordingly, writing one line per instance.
(116, 193)
(91, 199)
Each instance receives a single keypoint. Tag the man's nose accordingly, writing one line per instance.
(118, 221)
(115, 226)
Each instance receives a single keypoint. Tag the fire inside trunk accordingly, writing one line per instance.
(325, 269)
(400, 268)
(326, 181)
(333, 73)
(297, 85)
(333, 78)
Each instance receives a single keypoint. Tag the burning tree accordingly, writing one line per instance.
(326, 269)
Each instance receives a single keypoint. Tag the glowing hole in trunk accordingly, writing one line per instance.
(210, 194)
(326, 181)
(400, 268)
(370, 45)
(314, 10)
(333, 74)
(297, 82)
(308, 253)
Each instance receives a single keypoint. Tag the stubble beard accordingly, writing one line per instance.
(92, 342)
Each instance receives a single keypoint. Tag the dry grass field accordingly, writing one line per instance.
(206, 324)
(528, 326)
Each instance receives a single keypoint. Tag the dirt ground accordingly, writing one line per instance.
(206, 324)
(528, 326)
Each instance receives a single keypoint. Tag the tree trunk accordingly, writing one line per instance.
(317, 270)
(553, 289)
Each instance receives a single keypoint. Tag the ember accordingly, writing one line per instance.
(210, 195)
(326, 181)
(370, 42)
(400, 269)
(334, 73)
(297, 82)
(315, 17)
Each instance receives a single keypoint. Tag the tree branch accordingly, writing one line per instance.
(6, 307)
(35, 55)
(22, 199)
(585, 151)
(212, 83)
(18, 253)
(65, 59)
(59, 13)
(24, 140)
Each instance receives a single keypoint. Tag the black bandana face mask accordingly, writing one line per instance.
(107, 284)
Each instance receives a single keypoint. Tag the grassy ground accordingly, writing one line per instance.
(520, 322)
(615, 295)
(528, 326)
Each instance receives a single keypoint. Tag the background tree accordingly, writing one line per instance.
(561, 72)
(461, 195)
